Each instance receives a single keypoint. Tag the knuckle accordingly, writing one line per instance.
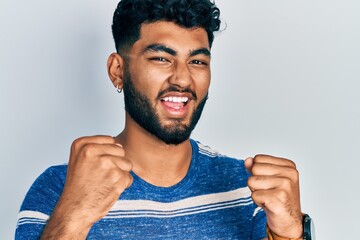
(287, 184)
(292, 163)
(115, 177)
(251, 181)
(106, 162)
(257, 198)
(123, 181)
(294, 173)
(282, 195)
(258, 156)
(255, 195)
(128, 165)
(255, 169)
(77, 143)
(89, 150)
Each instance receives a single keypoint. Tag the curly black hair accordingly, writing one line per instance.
(130, 14)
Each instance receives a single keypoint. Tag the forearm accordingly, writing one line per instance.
(64, 223)
(62, 228)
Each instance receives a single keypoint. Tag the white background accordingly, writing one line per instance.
(285, 82)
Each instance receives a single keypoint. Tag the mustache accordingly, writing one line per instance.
(174, 88)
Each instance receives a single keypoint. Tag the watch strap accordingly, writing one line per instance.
(273, 236)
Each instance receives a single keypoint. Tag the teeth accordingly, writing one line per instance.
(176, 99)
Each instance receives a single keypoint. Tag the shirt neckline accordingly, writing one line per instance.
(179, 187)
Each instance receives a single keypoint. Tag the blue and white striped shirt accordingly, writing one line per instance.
(211, 202)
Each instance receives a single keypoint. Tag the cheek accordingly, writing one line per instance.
(202, 83)
(155, 75)
(149, 79)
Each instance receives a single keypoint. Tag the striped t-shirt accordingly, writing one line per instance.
(211, 202)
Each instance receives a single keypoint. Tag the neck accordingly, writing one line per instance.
(153, 160)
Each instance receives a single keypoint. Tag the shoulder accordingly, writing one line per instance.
(47, 187)
(40, 201)
(218, 166)
(53, 174)
(206, 153)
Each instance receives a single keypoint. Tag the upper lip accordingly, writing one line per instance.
(178, 94)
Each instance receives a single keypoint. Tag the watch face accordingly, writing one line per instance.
(309, 228)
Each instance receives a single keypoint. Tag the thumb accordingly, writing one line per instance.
(249, 163)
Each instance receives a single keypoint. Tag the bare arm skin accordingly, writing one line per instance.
(98, 173)
(275, 187)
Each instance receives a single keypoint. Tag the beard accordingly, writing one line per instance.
(139, 108)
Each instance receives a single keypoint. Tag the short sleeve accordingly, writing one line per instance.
(39, 203)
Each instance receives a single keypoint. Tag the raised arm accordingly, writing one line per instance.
(275, 187)
(98, 173)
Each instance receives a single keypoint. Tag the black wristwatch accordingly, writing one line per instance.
(309, 228)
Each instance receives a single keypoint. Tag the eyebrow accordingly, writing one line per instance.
(203, 51)
(162, 48)
(159, 48)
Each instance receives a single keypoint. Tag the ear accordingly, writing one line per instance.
(115, 67)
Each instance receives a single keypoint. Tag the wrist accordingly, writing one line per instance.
(272, 236)
(60, 228)
(66, 223)
(286, 229)
(307, 232)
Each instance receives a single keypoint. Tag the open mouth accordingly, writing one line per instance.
(175, 102)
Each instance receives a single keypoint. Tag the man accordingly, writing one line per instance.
(152, 181)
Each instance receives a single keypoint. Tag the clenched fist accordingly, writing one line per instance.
(98, 173)
(275, 187)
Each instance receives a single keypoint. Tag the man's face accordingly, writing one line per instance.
(166, 80)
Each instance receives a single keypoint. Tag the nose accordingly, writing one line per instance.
(181, 76)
